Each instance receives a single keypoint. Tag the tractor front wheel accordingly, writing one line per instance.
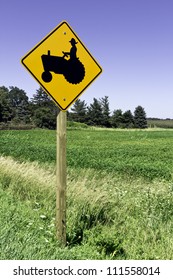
(46, 77)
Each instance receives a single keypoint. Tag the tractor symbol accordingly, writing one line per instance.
(72, 69)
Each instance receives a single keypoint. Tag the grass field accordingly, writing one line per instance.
(119, 194)
(162, 123)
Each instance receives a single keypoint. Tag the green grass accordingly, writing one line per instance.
(119, 195)
(167, 123)
(146, 154)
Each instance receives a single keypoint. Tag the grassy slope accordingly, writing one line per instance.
(109, 214)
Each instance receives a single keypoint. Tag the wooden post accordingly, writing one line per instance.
(61, 178)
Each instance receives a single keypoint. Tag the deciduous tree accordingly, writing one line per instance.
(19, 104)
(44, 110)
(5, 108)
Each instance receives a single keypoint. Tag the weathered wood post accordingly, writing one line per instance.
(61, 178)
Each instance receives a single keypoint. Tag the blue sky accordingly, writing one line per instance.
(132, 40)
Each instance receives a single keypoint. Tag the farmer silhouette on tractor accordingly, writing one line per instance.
(72, 69)
(73, 50)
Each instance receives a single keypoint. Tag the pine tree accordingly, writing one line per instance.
(140, 120)
(105, 111)
(94, 114)
(117, 118)
(41, 99)
(128, 119)
(79, 111)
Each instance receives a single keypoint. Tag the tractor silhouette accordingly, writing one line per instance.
(72, 69)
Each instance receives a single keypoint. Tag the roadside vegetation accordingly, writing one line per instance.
(119, 194)
(119, 180)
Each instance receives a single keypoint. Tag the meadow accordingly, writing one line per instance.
(162, 123)
(119, 194)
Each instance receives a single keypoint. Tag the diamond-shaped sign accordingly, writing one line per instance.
(62, 65)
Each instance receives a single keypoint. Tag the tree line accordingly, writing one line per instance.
(41, 111)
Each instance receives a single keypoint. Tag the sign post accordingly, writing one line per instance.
(61, 178)
(64, 68)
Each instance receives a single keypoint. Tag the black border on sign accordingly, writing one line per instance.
(22, 61)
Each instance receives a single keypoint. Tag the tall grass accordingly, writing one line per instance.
(119, 195)
(107, 217)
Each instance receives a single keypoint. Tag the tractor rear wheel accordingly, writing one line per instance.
(75, 72)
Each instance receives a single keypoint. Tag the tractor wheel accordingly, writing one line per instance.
(46, 77)
(75, 72)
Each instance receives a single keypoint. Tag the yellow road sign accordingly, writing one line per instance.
(62, 65)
